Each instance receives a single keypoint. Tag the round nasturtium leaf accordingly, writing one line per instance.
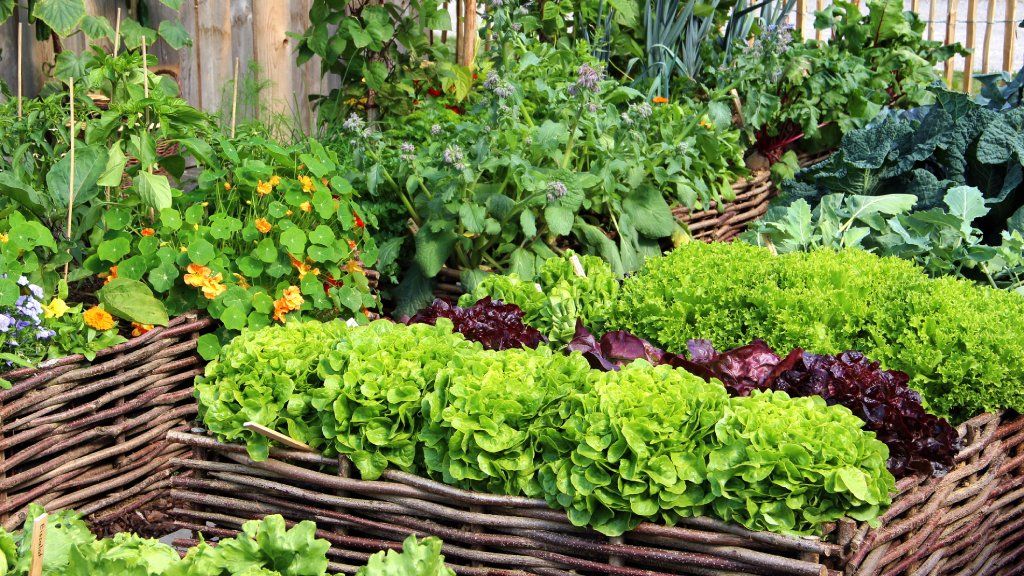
(208, 346)
(116, 218)
(266, 251)
(114, 249)
(201, 251)
(170, 218)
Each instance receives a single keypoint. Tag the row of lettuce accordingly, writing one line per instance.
(266, 547)
(511, 393)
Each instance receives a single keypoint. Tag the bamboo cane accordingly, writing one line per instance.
(71, 177)
(234, 100)
(19, 68)
(117, 32)
(950, 38)
(197, 42)
(972, 8)
(1010, 34)
(931, 19)
(987, 43)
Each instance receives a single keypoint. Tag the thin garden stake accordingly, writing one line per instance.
(234, 99)
(199, 56)
(117, 32)
(71, 178)
(19, 69)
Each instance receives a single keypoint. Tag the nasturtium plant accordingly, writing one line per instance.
(261, 239)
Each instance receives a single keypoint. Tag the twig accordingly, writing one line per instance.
(20, 56)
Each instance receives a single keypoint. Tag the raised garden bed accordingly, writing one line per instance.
(966, 522)
(91, 435)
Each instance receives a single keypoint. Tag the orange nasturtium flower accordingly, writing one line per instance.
(275, 180)
(353, 267)
(291, 299)
(264, 188)
(98, 319)
(196, 274)
(108, 276)
(307, 183)
(306, 207)
(147, 232)
(705, 124)
(263, 225)
(351, 244)
(227, 185)
(140, 329)
(303, 268)
(659, 100)
(202, 277)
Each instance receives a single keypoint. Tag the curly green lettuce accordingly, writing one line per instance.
(960, 343)
(789, 465)
(263, 376)
(496, 417)
(374, 382)
(417, 558)
(560, 297)
(642, 437)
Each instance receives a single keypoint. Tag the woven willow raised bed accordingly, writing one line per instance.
(966, 523)
(752, 198)
(92, 435)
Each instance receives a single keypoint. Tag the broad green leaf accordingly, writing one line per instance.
(97, 27)
(174, 34)
(132, 300)
(113, 172)
(651, 214)
(63, 16)
(154, 190)
(90, 162)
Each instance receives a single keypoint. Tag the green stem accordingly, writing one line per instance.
(572, 136)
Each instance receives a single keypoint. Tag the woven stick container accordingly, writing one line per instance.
(91, 435)
(965, 523)
(753, 195)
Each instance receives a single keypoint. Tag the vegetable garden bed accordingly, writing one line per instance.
(90, 435)
(966, 522)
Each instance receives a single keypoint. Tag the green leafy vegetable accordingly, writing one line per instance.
(374, 382)
(262, 376)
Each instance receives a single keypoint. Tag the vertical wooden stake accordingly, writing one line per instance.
(145, 74)
(972, 9)
(234, 100)
(800, 16)
(71, 178)
(914, 5)
(117, 32)
(470, 29)
(987, 43)
(1009, 34)
(19, 68)
(950, 38)
(38, 544)
(931, 19)
(197, 42)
